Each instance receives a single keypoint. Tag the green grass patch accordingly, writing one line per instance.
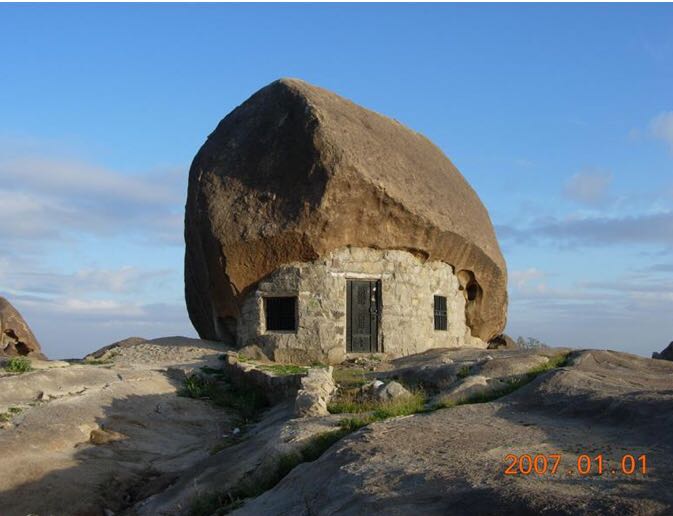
(349, 377)
(404, 406)
(560, 360)
(349, 403)
(283, 369)
(18, 365)
(351, 424)
(414, 404)
(221, 393)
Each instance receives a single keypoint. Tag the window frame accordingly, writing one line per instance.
(441, 313)
(279, 328)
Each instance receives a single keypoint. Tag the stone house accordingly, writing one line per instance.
(315, 228)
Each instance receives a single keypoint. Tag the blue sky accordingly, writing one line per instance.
(560, 116)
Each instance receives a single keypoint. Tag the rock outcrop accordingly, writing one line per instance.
(316, 390)
(452, 461)
(16, 338)
(124, 343)
(296, 172)
(503, 341)
(666, 354)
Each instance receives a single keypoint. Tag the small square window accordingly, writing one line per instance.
(441, 322)
(280, 313)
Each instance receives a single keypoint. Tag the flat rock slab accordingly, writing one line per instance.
(452, 461)
(441, 369)
(86, 438)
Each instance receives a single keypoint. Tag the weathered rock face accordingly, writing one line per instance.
(666, 354)
(296, 172)
(16, 338)
(316, 390)
(503, 342)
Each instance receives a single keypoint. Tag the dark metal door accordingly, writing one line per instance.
(362, 308)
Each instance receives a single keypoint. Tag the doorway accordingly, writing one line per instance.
(363, 314)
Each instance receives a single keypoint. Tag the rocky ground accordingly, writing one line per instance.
(452, 461)
(110, 435)
(85, 438)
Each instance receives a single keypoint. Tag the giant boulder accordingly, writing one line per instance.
(296, 172)
(16, 338)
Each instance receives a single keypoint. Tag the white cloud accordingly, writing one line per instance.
(588, 187)
(661, 128)
(52, 198)
(127, 280)
(629, 313)
(72, 327)
(107, 307)
(67, 229)
(521, 279)
(576, 231)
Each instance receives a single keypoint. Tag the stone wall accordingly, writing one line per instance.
(407, 312)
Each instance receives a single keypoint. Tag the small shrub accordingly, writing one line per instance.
(18, 365)
(98, 361)
(221, 393)
(349, 377)
(464, 372)
(353, 424)
(194, 387)
(5, 417)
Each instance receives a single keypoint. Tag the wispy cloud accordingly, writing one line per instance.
(522, 278)
(660, 267)
(661, 128)
(588, 186)
(54, 206)
(651, 228)
(72, 327)
(51, 197)
(631, 313)
(125, 280)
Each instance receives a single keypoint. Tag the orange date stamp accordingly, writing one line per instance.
(540, 464)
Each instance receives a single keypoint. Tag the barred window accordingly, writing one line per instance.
(281, 313)
(440, 313)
